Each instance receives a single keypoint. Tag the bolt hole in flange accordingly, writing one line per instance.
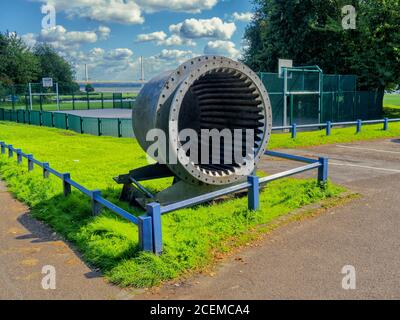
(223, 96)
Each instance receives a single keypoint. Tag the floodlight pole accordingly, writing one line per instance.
(30, 96)
(58, 97)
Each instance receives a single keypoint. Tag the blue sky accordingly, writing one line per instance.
(110, 35)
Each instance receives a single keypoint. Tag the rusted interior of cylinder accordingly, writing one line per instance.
(223, 99)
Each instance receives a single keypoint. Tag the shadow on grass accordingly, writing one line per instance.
(99, 242)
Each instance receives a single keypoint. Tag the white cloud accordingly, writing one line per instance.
(126, 11)
(161, 39)
(149, 37)
(104, 32)
(243, 17)
(64, 40)
(176, 55)
(30, 39)
(223, 48)
(204, 28)
(119, 54)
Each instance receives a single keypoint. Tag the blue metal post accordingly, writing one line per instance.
(66, 185)
(386, 124)
(359, 124)
(145, 233)
(294, 131)
(254, 193)
(30, 162)
(46, 165)
(96, 207)
(19, 156)
(323, 170)
(154, 211)
(3, 147)
(328, 128)
(10, 151)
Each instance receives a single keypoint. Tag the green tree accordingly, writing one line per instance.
(89, 88)
(311, 32)
(55, 66)
(17, 63)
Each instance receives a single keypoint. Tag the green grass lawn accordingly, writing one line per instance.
(391, 106)
(193, 237)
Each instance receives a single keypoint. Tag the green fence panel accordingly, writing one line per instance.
(304, 110)
(91, 126)
(14, 115)
(60, 120)
(117, 100)
(27, 116)
(110, 127)
(21, 116)
(75, 123)
(35, 118)
(47, 119)
(7, 115)
(1, 114)
(277, 109)
(126, 128)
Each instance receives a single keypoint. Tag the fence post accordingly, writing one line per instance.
(73, 101)
(46, 165)
(328, 128)
(323, 170)
(254, 193)
(3, 147)
(102, 100)
(119, 128)
(96, 207)
(154, 211)
(10, 151)
(19, 156)
(81, 124)
(30, 162)
(386, 124)
(359, 124)
(87, 98)
(99, 126)
(145, 233)
(294, 131)
(66, 185)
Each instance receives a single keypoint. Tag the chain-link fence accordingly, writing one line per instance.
(36, 97)
(93, 126)
(314, 97)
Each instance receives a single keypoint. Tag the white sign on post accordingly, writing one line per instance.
(47, 82)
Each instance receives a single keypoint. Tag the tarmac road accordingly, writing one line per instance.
(302, 260)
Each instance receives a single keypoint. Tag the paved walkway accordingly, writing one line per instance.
(304, 260)
(301, 260)
(26, 246)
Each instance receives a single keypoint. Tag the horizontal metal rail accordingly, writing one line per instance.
(150, 226)
(68, 182)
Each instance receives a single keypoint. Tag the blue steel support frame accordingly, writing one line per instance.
(154, 211)
(145, 225)
(150, 228)
(359, 125)
(254, 193)
(323, 171)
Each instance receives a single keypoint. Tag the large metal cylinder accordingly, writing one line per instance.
(209, 92)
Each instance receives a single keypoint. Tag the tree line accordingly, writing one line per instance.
(20, 65)
(311, 32)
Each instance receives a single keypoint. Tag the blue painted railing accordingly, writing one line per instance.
(150, 230)
(329, 125)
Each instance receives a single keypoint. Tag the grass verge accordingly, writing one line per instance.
(192, 237)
